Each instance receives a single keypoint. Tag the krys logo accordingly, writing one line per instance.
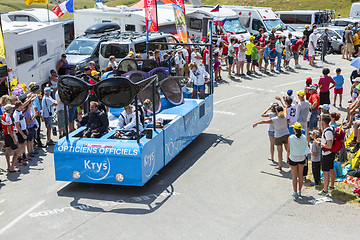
(97, 170)
(149, 164)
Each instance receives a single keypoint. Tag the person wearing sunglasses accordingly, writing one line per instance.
(127, 121)
(145, 111)
(198, 76)
(96, 122)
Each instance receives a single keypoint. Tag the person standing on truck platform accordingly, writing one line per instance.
(307, 32)
(63, 66)
(179, 62)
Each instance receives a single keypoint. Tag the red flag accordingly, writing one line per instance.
(150, 14)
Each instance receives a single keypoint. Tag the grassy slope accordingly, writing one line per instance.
(341, 6)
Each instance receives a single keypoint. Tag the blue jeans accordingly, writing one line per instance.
(278, 63)
(313, 119)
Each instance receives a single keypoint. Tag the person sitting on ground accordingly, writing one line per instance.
(352, 109)
(11, 142)
(96, 122)
(112, 62)
(298, 150)
(127, 120)
(353, 92)
(198, 76)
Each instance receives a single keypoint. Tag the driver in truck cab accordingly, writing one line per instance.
(96, 122)
(127, 120)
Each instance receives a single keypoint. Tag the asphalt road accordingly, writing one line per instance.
(220, 187)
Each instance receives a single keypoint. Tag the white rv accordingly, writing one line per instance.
(355, 10)
(33, 49)
(30, 15)
(299, 18)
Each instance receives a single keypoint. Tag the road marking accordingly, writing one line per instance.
(237, 96)
(290, 83)
(2, 200)
(257, 89)
(224, 112)
(13, 222)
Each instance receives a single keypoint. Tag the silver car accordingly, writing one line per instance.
(336, 34)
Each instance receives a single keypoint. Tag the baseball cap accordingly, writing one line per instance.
(130, 53)
(252, 38)
(47, 89)
(8, 106)
(93, 73)
(179, 49)
(316, 133)
(222, 34)
(313, 87)
(289, 92)
(274, 50)
(307, 26)
(315, 31)
(35, 88)
(297, 125)
(63, 55)
(301, 93)
(325, 106)
(309, 80)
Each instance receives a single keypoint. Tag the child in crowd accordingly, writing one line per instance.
(217, 66)
(315, 152)
(338, 90)
(267, 55)
(289, 93)
(273, 55)
(324, 109)
(241, 56)
(254, 56)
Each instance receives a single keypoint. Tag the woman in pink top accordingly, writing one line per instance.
(324, 85)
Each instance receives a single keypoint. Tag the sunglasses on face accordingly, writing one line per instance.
(116, 92)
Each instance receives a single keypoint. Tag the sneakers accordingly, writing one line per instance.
(50, 143)
(299, 193)
(331, 188)
(323, 193)
(356, 148)
(288, 68)
(340, 105)
(295, 194)
(314, 184)
(297, 66)
(334, 105)
(31, 155)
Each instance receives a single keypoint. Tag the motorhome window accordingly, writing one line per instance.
(105, 21)
(81, 47)
(21, 18)
(24, 55)
(288, 18)
(129, 27)
(234, 25)
(42, 48)
(275, 23)
(257, 24)
(117, 50)
(140, 47)
(195, 24)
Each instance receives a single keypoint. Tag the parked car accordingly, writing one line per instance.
(336, 34)
(343, 22)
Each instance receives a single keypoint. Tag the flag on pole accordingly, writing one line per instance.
(219, 21)
(3, 66)
(67, 6)
(28, 2)
(180, 23)
(216, 8)
(151, 14)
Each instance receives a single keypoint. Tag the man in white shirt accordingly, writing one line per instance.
(127, 120)
(288, 52)
(196, 56)
(179, 62)
(312, 45)
(47, 106)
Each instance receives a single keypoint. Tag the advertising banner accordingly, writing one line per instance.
(150, 14)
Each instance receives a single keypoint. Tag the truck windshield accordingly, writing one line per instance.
(274, 23)
(81, 47)
(234, 25)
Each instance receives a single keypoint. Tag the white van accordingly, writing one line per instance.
(254, 18)
(30, 15)
(33, 49)
(126, 42)
(355, 10)
(299, 18)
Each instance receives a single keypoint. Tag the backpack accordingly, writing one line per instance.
(338, 142)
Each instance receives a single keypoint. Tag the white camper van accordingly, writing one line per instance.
(355, 10)
(254, 18)
(33, 49)
(299, 18)
(30, 15)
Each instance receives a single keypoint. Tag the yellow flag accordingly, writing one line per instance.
(2, 45)
(28, 2)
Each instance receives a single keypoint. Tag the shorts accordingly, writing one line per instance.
(254, 62)
(20, 138)
(241, 58)
(295, 54)
(216, 65)
(231, 60)
(313, 121)
(292, 163)
(266, 60)
(199, 87)
(324, 98)
(311, 51)
(9, 142)
(61, 118)
(287, 56)
(48, 122)
(186, 68)
(31, 133)
(349, 48)
(306, 43)
(338, 90)
(272, 60)
(282, 140)
(248, 58)
(271, 133)
(327, 162)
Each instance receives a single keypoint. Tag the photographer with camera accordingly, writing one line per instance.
(47, 106)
